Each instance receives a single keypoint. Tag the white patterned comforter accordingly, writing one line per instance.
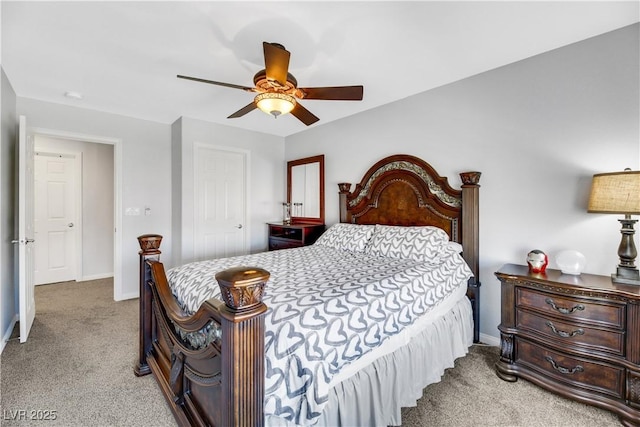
(326, 308)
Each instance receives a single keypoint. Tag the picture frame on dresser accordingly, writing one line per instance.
(575, 335)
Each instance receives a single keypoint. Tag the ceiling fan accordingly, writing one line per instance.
(278, 91)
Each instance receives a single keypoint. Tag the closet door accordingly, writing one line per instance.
(219, 202)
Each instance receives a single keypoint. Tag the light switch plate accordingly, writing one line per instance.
(132, 211)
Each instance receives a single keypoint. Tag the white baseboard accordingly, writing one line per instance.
(95, 277)
(130, 295)
(489, 339)
(7, 333)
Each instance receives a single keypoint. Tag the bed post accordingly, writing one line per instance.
(471, 240)
(242, 323)
(344, 187)
(149, 249)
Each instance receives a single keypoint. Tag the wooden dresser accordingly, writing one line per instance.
(294, 235)
(577, 336)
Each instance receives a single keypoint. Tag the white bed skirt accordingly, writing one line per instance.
(374, 395)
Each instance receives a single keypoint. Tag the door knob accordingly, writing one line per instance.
(25, 241)
(239, 226)
(70, 225)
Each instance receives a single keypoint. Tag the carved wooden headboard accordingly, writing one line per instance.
(406, 190)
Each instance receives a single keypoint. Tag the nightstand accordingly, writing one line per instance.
(577, 336)
(283, 236)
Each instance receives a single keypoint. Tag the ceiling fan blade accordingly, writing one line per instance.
(276, 62)
(304, 115)
(244, 110)
(245, 88)
(337, 93)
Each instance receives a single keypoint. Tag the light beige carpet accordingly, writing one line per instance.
(471, 394)
(79, 362)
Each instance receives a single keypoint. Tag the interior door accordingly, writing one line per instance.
(220, 200)
(55, 217)
(25, 241)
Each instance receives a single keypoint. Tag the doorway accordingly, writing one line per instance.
(99, 221)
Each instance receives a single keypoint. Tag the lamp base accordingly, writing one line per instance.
(628, 276)
(627, 272)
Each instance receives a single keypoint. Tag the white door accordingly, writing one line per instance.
(55, 217)
(220, 202)
(27, 303)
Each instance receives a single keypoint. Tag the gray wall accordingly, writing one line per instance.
(538, 129)
(146, 175)
(97, 201)
(266, 171)
(8, 136)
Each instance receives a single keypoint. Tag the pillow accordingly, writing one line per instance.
(422, 244)
(345, 236)
(455, 246)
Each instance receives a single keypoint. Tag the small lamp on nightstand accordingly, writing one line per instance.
(619, 193)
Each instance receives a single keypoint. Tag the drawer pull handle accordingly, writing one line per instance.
(564, 310)
(564, 334)
(562, 369)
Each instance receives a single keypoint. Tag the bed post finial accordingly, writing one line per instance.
(344, 187)
(149, 249)
(242, 287)
(470, 178)
(150, 244)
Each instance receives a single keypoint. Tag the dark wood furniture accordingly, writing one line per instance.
(405, 190)
(222, 382)
(283, 236)
(577, 336)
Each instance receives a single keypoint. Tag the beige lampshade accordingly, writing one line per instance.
(615, 192)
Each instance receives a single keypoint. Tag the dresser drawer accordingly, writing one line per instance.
(276, 243)
(575, 371)
(570, 333)
(295, 235)
(574, 309)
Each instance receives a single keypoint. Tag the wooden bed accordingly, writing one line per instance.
(223, 383)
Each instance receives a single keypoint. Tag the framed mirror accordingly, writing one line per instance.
(305, 189)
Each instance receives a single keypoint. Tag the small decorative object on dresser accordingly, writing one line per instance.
(571, 262)
(577, 336)
(537, 261)
(285, 236)
(286, 213)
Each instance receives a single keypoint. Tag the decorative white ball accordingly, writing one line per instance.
(571, 262)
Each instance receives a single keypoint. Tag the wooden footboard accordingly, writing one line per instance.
(209, 365)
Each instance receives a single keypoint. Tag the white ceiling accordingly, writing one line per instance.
(124, 56)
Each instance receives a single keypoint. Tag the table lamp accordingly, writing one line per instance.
(619, 193)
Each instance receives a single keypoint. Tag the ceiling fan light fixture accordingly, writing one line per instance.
(275, 103)
(277, 90)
